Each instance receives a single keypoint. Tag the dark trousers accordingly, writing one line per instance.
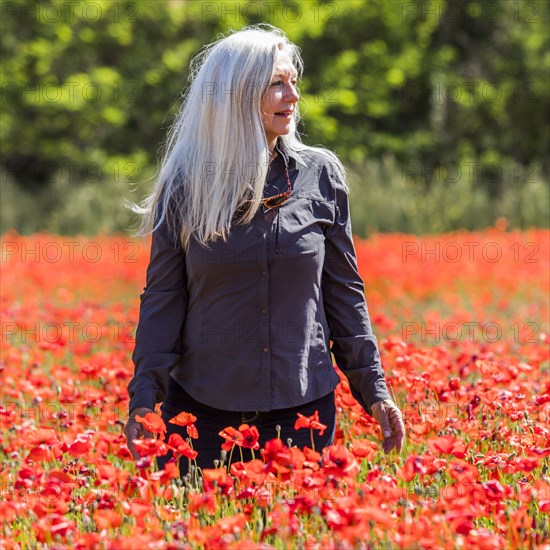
(211, 421)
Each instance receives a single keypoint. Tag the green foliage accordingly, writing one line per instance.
(388, 199)
(408, 93)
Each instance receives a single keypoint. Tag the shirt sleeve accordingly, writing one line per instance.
(354, 345)
(162, 313)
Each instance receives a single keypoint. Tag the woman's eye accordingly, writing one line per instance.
(294, 82)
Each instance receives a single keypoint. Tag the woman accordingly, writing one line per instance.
(252, 268)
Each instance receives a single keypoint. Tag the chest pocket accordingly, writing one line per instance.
(243, 246)
(302, 224)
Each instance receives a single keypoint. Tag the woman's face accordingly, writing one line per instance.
(280, 99)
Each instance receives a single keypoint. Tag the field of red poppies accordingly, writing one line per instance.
(463, 325)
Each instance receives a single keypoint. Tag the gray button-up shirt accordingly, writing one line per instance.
(246, 324)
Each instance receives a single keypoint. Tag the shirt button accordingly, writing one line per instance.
(266, 350)
(264, 311)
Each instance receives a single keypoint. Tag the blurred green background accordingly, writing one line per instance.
(439, 109)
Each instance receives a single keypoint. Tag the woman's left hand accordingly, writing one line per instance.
(390, 419)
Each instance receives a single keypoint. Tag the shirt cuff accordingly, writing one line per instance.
(142, 400)
(369, 396)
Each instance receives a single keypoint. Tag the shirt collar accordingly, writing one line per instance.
(290, 155)
(277, 166)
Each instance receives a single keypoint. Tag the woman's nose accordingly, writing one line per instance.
(292, 93)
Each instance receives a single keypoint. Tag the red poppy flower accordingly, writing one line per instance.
(248, 472)
(51, 526)
(339, 461)
(192, 431)
(278, 458)
(463, 471)
(180, 447)
(447, 444)
(150, 447)
(232, 437)
(183, 419)
(216, 477)
(44, 452)
(526, 464)
(107, 519)
(40, 436)
(202, 502)
(250, 436)
(364, 448)
(312, 459)
(232, 524)
(494, 491)
(81, 445)
(153, 423)
(170, 471)
(312, 422)
(414, 465)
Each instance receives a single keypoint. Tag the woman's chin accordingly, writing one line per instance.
(284, 130)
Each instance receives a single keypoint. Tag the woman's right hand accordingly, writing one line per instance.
(135, 430)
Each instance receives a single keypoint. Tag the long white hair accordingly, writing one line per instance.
(216, 155)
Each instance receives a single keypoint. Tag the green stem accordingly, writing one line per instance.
(230, 455)
(196, 480)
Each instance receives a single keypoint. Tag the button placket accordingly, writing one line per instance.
(263, 320)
